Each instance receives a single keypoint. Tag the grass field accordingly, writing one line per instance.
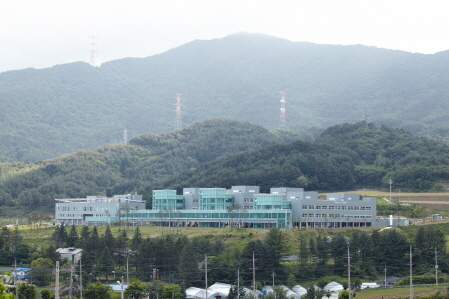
(385, 293)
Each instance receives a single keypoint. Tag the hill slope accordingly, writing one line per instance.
(120, 169)
(345, 157)
(49, 112)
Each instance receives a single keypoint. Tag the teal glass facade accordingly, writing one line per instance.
(204, 218)
(270, 202)
(167, 200)
(215, 199)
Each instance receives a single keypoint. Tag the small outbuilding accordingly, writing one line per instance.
(72, 254)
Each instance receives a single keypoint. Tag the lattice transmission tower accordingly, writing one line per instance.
(125, 136)
(178, 118)
(282, 119)
(92, 49)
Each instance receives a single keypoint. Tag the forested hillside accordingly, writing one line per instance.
(222, 153)
(49, 112)
(120, 169)
(345, 157)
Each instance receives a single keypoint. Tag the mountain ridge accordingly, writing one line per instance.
(49, 112)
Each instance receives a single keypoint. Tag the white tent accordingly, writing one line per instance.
(219, 287)
(299, 290)
(248, 291)
(192, 291)
(333, 287)
(290, 293)
(201, 293)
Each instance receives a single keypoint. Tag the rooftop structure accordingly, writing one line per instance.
(71, 253)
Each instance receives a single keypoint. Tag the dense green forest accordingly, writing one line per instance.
(50, 112)
(174, 258)
(344, 157)
(120, 169)
(223, 153)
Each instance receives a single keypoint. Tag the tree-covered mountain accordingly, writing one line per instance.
(49, 112)
(120, 169)
(223, 153)
(344, 157)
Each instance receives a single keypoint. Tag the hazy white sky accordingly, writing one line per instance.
(42, 33)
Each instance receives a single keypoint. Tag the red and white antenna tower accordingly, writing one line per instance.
(178, 119)
(282, 119)
(92, 49)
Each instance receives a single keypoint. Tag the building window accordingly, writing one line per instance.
(304, 207)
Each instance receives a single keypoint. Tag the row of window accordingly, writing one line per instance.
(350, 208)
(81, 215)
(85, 208)
(304, 215)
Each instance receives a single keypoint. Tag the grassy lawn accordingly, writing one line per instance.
(393, 292)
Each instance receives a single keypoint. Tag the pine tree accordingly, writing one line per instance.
(84, 237)
(121, 249)
(275, 240)
(189, 273)
(105, 263)
(108, 239)
(72, 238)
(136, 240)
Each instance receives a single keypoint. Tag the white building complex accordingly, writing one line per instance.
(239, 206)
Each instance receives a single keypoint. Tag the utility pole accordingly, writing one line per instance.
(238, 283)
(71, 280)
(411, 277)
(206, 276)
(57, 281)
(385, 276)
(436, 267)
(16, 284)
(349, 275)
(127, 270)
(254, 277)
(123, 294)
(273, 277)
(81, 280)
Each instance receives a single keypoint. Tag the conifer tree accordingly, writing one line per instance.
(72, 238)
(105, 262)
(108, 239)
(189, 273)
